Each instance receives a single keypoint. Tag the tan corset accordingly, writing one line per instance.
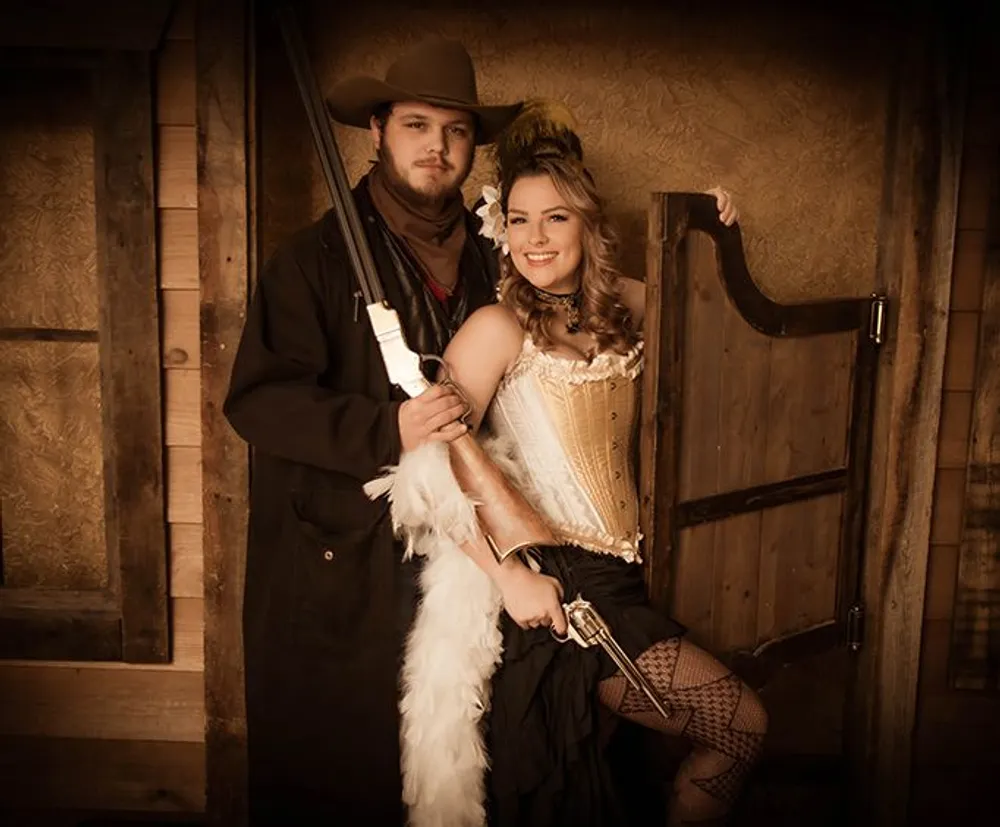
(571, 424)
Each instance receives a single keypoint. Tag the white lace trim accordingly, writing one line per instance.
(606, 365)
(601, 543)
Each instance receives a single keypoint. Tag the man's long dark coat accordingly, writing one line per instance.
(328, 599)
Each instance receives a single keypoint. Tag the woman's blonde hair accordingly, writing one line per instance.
(602, 313)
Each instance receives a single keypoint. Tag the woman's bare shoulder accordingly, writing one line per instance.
(493, 326)
(495, 320)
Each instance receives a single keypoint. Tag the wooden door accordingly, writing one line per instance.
(83, 566)
(754, 463)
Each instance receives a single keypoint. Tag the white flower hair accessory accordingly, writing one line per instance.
(493, 227)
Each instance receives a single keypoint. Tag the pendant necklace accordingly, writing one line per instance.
(571, 301)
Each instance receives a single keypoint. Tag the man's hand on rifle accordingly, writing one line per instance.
(531, 599)
(434, 416)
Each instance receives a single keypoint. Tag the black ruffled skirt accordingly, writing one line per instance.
(547, 733)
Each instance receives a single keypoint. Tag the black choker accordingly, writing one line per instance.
(571, 301)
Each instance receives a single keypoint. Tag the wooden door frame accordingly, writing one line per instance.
(226, 261)
(915, 246)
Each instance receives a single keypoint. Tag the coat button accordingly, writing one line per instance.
(328, 555)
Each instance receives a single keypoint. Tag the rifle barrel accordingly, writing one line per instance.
(333, 167)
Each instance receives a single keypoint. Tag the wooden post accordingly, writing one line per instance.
(915, 245)
(223, 47)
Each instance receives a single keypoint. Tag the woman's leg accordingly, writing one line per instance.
(711, 706)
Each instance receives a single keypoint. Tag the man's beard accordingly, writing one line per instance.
(432, 202)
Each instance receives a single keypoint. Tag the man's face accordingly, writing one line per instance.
(426, 151)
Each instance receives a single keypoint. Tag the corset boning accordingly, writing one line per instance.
(570, 425)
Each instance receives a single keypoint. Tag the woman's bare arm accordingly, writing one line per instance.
(480, 354)
(477, 359)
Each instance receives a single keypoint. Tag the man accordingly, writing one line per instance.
(328, 599)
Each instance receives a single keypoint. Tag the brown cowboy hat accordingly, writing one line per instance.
(438, 72)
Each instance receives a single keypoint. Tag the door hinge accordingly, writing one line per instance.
(876, 320)
(855, 627)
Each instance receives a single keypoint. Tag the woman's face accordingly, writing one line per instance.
(545, 236)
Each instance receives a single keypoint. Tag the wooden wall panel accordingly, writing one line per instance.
(975, 658)
(99, 774)
(955, 760)
(186, 560)
(942, 568)
(178, 248)
(946, 514)
(953, 437)
(183, 407)
(177, 177)
(184, 485)
(126, 704)
(960, 361)
(181, 329)
(188, 645)
(175, 75)
(115, 736)
(967, 286)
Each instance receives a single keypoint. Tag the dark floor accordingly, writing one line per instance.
(777, 796)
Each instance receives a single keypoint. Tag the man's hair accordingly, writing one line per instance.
(381, 115)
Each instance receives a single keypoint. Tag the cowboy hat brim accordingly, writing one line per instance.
(352, 102)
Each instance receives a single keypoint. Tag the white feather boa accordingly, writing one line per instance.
(453, 647)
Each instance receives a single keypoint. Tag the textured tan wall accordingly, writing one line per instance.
(788, 113)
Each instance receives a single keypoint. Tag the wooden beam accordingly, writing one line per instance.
(130, 350)
(915, 247)
(68, 701)
(223, 38)
(40, 773)
(58, 634)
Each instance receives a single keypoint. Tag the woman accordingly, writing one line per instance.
(551, 373)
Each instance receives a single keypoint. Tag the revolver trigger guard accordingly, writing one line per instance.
(565, 639)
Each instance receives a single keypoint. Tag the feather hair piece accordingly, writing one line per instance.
(543, 127)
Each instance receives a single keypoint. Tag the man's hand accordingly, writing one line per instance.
(532, 600)
(434, 416)
(727, 208)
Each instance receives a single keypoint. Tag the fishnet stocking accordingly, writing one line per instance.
(712, 707)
